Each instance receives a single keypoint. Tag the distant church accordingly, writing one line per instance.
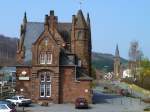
(117, 65)
(54, 59)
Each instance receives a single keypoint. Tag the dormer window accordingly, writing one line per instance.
(45, 58)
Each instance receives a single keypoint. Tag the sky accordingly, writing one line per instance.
(112, 21)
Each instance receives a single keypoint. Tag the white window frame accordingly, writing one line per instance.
(79, 63)
(49, 90)
(49, 58)
(42, 58)
(46, 58)
(46, 84)
(41, 88)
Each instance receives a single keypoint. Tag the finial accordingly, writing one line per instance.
(88, 20)
(80, 3)
(25, 18)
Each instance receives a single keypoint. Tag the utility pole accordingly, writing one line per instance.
(2, 85)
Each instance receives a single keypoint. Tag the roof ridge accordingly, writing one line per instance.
(35, 22)
(65, 22)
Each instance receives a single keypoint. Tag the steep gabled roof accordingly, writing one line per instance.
(81, 23)
(34, 30)
(65, 31)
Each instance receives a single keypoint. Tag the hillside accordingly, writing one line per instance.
(8, 47)
(104, 61)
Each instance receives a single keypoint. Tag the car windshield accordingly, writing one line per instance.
(11, 106)
(3, 107)
(15, 98)
(21, 97)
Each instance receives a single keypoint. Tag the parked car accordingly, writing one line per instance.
(124, 92)
(7, 106)
(81, 103)
(20, 100)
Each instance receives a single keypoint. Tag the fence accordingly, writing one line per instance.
(6, 91)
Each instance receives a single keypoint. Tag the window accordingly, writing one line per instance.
(80, 35)
(46, 41)
(42, 58)
(45, 58)
(3, 107)
(42, 88)
(45, 84)
(49, 58)
(79, 63)
(42, 77)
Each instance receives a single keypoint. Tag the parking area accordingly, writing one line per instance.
(104, 103)
(93, 108)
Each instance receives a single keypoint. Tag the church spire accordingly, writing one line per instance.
(81, 23)
(117, 51)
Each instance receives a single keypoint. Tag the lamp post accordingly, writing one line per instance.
(2, 84)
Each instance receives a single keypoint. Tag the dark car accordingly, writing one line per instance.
(124, 92)
(81, 103)
(7, 106)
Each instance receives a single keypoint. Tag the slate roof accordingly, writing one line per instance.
(67, 59)
(65, 31)
(81, 23)
(34, 30)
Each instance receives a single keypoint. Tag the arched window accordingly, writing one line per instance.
(80, 35)
(45, 84)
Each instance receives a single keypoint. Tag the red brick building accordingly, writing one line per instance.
(54, 59)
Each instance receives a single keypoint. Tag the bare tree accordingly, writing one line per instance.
(8, 47)
(135, 53)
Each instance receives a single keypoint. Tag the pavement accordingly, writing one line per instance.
(104, 103)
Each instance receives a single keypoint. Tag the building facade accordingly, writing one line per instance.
(54, 59)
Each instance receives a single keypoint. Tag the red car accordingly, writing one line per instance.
(81, 103)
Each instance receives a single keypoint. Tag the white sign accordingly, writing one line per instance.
(23, 78)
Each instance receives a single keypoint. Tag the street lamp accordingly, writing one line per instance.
(23, 73)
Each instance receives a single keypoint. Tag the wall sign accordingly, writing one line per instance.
(23, 75)
(23, 78)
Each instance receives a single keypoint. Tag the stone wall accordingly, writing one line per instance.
(72, 89)
(25, 85)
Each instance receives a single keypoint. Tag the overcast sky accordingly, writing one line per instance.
(113, 21)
